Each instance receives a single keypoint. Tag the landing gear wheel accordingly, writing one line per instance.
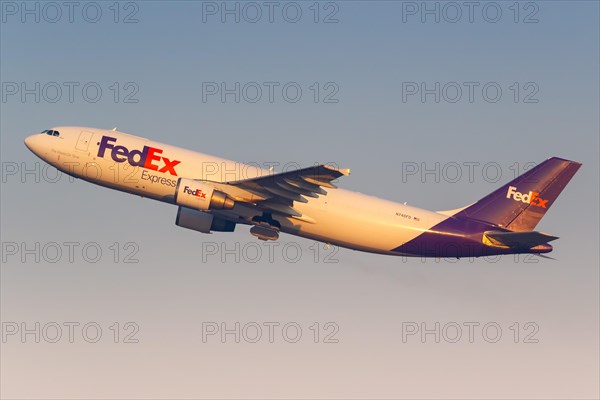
(267, 228)
(264, 233)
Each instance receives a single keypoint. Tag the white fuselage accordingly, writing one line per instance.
(341, 217)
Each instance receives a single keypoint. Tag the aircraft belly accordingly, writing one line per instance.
(361, 222)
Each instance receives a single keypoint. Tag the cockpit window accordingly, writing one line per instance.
(51, 132)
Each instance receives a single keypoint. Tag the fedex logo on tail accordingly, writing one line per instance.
(148, 157)
(530, 198)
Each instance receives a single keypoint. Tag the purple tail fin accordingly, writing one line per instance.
(521, 204)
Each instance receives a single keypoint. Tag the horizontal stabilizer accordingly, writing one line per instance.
(520, 240)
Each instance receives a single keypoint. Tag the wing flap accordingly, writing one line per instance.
(286, 194)
(302, 184)
(291, 188)
(278, 192)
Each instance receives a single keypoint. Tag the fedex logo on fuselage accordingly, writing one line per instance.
(529, 198)
(148, 157)
(197, 192)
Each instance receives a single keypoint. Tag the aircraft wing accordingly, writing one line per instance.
(524, 240)
(278, 192)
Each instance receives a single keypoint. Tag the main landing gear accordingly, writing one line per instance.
(267, 228)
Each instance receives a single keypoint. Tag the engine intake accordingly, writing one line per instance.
(201, 196)
(202, 221)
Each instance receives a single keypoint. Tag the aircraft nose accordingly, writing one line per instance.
(29, 142)
(32, 143)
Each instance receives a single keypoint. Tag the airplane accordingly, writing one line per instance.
(215, 195)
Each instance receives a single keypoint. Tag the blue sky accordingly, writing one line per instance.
(548, 74)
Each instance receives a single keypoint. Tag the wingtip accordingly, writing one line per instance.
(564, 159)
(343, 171)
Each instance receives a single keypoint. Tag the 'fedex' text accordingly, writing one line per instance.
(529, 198)
(144, 158)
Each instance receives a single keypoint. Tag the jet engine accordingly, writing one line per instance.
(201, 196)
(201, 221)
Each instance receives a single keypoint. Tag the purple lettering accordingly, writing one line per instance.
(105, 145)
(140, 162)
(144, 158)
(119, 151)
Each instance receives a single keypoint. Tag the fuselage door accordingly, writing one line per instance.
(84, 141)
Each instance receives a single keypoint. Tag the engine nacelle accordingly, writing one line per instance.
(201, 196)
(201, 221)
